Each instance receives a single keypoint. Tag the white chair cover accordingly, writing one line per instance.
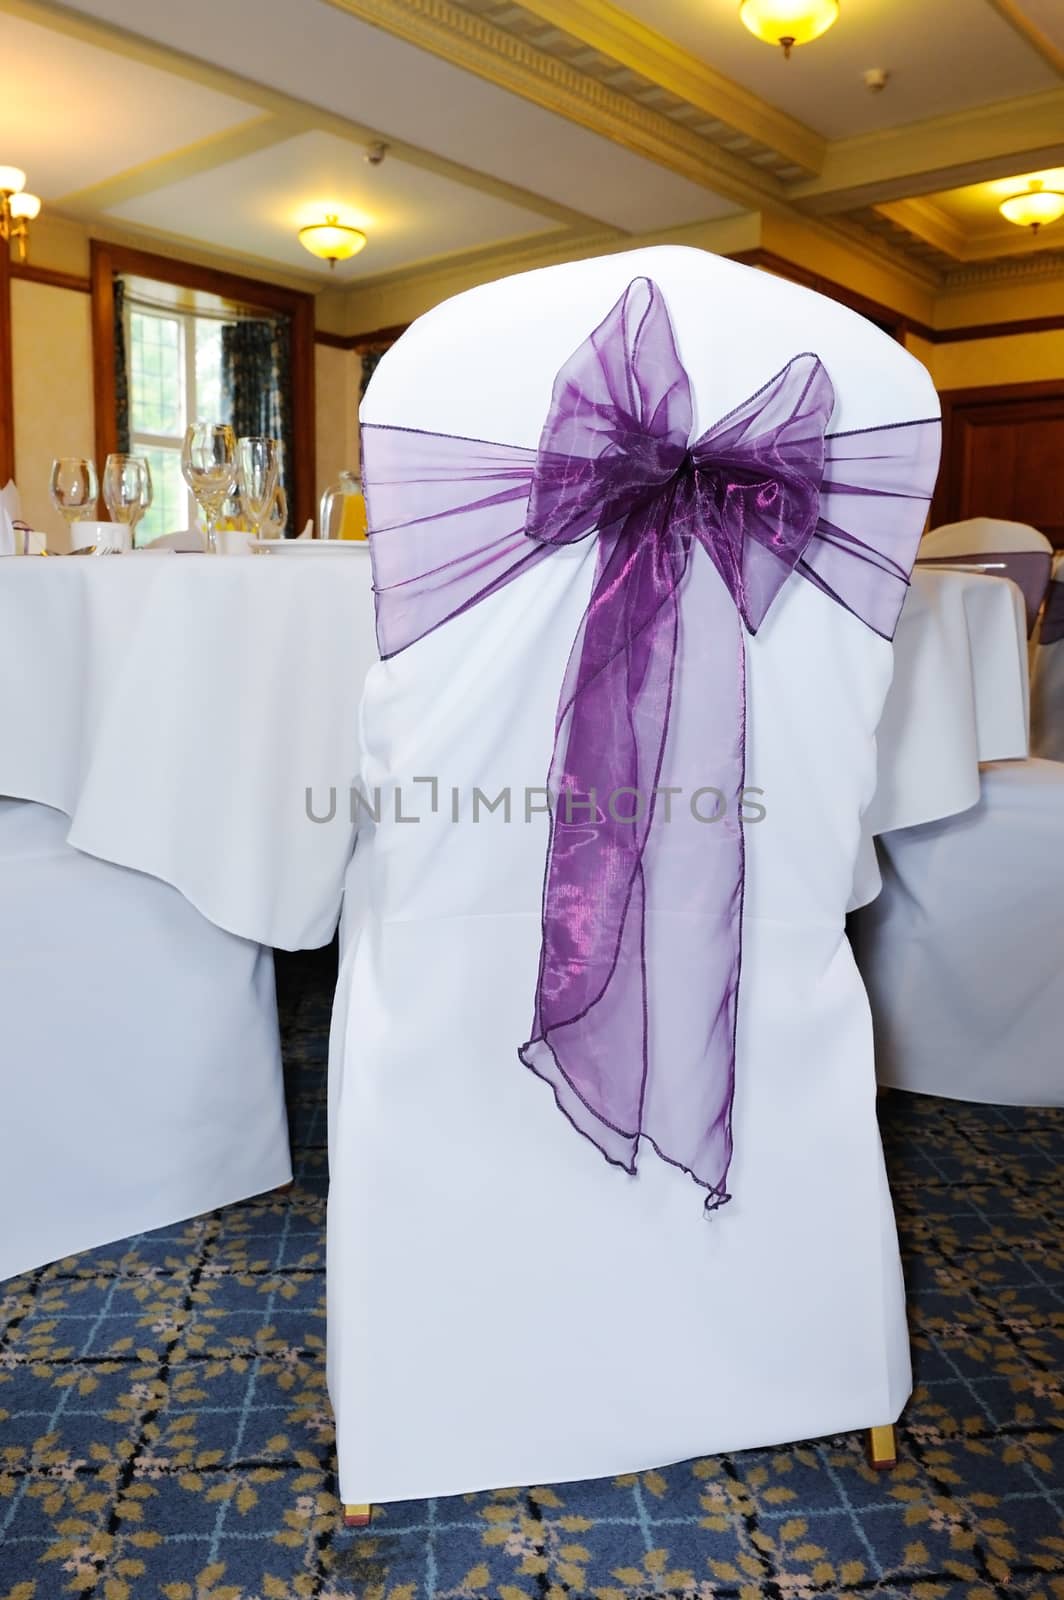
(505, 1307)
(140, 1070)
(963, 951)
(976, 534)
(1047, 676)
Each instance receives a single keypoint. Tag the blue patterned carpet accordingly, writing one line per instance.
(164, 1428)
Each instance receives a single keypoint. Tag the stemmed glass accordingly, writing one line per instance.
(73, 488)
(257, 475)
(127, 492)
(208, 464)
(277, 515)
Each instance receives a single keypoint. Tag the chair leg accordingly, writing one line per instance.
(883, 1448)
(357, 1516)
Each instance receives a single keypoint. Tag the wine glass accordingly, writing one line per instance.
(277, 516)
(257, 476)
(208, 465)
(127, 492)
(73, 488)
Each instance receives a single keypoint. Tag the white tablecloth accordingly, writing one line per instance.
(178, 707)
(959, 696)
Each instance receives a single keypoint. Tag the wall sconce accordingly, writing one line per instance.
(17, 209)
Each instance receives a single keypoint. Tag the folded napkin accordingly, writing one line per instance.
(9, 510)
(187, 539)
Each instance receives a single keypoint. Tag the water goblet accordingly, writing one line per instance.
(257, 477)
(209, 467)
(73, 488)
(127, 493)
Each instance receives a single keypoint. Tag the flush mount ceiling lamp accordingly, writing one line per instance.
(788, 22)
(17, 209)
(332, 240)
(1035, 208)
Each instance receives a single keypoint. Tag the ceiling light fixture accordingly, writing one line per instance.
(788, 22)
(332, 240)
(1035, 207)
(17, 209)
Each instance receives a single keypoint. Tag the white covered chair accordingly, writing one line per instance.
(504, 1305)
(1047, 674)
(963, 951)
(140, 1068)
(1011, 550)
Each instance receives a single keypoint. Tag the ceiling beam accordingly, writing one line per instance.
(204, 156)
(1014, 15)
(471, 42)
(605, 28)
(997, 141)
(927, 222)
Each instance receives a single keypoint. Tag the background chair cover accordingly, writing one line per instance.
(962, 952)
(504, 1306)
(1047, 674)
(140, 1070)
(1012, 549)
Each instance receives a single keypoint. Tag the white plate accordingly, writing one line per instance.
(297, 547)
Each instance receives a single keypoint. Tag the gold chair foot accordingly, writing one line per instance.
(357, 1516)
(883, 1448)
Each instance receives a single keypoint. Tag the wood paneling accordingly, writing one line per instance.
(7, 384)
(1003, 456)
(26, 271)
(108, 259)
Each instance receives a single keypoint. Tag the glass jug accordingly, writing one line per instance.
(343, 509)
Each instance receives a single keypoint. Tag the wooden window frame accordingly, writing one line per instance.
(108, 259)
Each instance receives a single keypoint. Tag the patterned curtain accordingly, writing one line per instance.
(121, 369)
(257, 386)
(370, 359)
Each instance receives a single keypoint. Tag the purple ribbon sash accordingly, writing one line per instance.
(635, 1005)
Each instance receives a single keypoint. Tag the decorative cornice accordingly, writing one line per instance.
(1045, 266)
(511, 63)
(654, 60)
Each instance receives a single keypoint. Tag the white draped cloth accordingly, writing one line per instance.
(178, 709)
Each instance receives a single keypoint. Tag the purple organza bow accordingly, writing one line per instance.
(635, 1005)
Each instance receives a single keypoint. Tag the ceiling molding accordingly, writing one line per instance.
(511, 63)
(302, 116)
(1013, 14)
(1041, 266)
(926, 221)
(247, 139)
(619, 36)
(941, 153)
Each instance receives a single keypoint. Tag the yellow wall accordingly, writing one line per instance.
(51, 337)
(1018, 358)
(337, 374)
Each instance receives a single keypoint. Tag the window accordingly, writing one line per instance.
(175, 376)
(194, 326)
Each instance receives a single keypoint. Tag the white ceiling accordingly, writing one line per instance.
(943, 56)
(72, 114)
(262, 200)
(319, 54)
(228, 124)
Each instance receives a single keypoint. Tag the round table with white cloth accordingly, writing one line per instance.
(178, 708)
